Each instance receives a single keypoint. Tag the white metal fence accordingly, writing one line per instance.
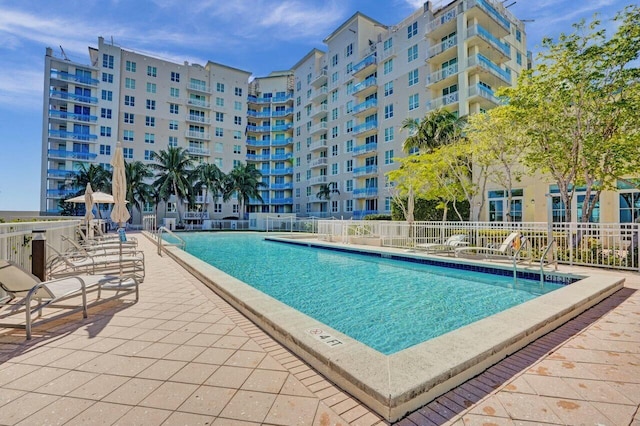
(291, 224)
(608, 245)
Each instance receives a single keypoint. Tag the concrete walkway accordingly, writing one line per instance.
(182, 355)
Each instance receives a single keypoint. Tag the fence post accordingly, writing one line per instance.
(39, 254)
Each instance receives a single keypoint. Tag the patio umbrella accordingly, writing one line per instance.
(88, 205)
(119, 213)
(98, 198)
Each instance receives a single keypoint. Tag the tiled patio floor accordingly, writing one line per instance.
(182, 355)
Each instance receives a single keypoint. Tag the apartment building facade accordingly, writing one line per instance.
(323, 134)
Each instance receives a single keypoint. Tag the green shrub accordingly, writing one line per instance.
(377, 217)
(426, 210)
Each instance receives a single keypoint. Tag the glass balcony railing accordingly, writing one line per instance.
(442, 46)
(65, 115)
(60, 192)
(441, 20)
(199, 87)
(441, 74)
(485, 92)
(253, 142)
(359, 214)
(364, 127)
(491, 10)
(282, 171)
(371, 81)
(282, 113)
(258, 157)
(493, 40)
(319, 162)
(281, 200)
(60, 153)
(317, 180)
(282, 98)
(260, 129)
(288, 185)
(450, 98)
(198, 119)
(258, 114)
(282, 127)
(484, 62)
(369, 60)
(196, 134)
(199, 103)
(282, 157)
(365, 192)
(371, 103)
(363, 149)
(197, 150)
(282, 142)
(61, 173)
(63, 75)
(63, 134)
(365, 170)
(58, 94)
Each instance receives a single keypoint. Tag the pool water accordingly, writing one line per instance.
(389, 305)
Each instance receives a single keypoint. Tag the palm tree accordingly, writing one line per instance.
(173, 168)
(138, 191)
(211, 178)
(439, 127)
(245, 181)
(327, 190)
(96, 175)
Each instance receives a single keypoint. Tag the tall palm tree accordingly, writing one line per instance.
(94, 174)
(439, 127)
(138, 190)
(327, 190)
(211, 178)
(245, 181)
(173, 168)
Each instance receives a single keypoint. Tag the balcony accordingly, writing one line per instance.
(60, 193)
(195, 215)
(360, 214)
(318, 128)
(282, 127)
(198, 119)
(258, 157)
(282, 171)
(282, 113)
(484, 64)
(442, 74)
(63, 75)
(253, 142)
(366, 65)
(64, 115)
(492, 47)
(365, 192)
(486, 97)
(320, 79)
(365, 171)
(259, 129)
(279, 99)
(199, 103)
(199, 88)
(61, 173)
(201, 199)
(318, 162)
(194, 134)
(320, 94)
(364, 149)
(282, 142)
(193, 150)
(282, 157)
(57, 94)
(318, 180)
(76, 136)
(438, 27)
(387, 53)
(318, 145)
(443, 101)
(258, 100)
(320, 111)
(288, 185)
(365, 87)
(365, 128)
(487, 13)
(259, 114)
(434, 52)
(316, 199)
(281, 200)
(365, 107)
(57, 153)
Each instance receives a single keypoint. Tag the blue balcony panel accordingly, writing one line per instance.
(65, 115)
(63, 134)
(72, 96)
(71, 154)
(63, 75)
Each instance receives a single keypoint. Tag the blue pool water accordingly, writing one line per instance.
(388, 305)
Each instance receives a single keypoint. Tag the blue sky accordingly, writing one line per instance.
(255, 35)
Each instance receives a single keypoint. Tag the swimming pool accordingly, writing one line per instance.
(386, 304)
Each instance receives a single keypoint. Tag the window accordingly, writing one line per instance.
(388, 88)
(348, 166)
(151, 104)
(387, 66)
(148, 154)
(150, 121)
(348, 127)
(414, 77)
(130, 66)
(388, 134)
(149, 138)
(237, 105)
(129, 100)
(387, 204)
(414, 101)
(219, 132)
(107, 95)
(219, 101)
(173, 141)
(174, 92)
(152, 71)
(334, 150)
(105, 131)
(388, 111)
(219, 117)
(388, 44)
(412, 53)
(127, 135)
(498, 201)
(105, 112)
(171, 207)
(348, 206)
(334, 60)
(519, 58)
(334, 132)
(348, 51)
(348, 185)
(220, 87)
(518, 35)
(175, 76)
(217, 208)
(173, 124)
(151, 88)
(334, 169)
(298, 178)
(629, 205)
(334, 96)
(334, 77)
(388, 157)
(127, 153)
(237, 120)
(130, 83)
(412, 30)
(129, 117)
(238, 91)
(334, 114)
(107, 77)
(107, 61)
(105, 149)
(237, 134)
(174, 109)
(237, 149)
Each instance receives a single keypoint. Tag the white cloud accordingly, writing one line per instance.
(22, 88)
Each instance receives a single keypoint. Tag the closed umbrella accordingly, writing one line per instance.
(88, 205)
(119, 213)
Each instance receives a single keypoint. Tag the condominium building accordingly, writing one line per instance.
(323, 134)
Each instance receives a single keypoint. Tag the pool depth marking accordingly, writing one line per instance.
(324, 337)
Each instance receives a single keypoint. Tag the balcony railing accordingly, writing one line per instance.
(282, 113)
(451, 98)
(60, 192)
(484, 62)
(259, 114)
(199, 103)
(365, 127)
(319, 93)
(282, 127)
(195, 215)
(369, 82)
(253, 142)
(490, 38)
(319, 79)
(318, 162)
(57, 94)
(319, 144)
(282, 142)
(198, 119)
(288, 185)
(199, 87)
(369, 60)
(363, 149)
(60, 153)
(371, 103)
(196, 134)
(65, 115)
(317, 180)
(282, 171)
(282, 157)
(282, 98)
(441, 74)
(281, 200)
(485, 92)
(63, 134)
(491, 10)
(197, 151)
(359, 214)
(320, 127)
(387, 53)
(448, 16)
(259, 129)
(63, 75)
(258, 157)
(320, 109)
(365, 170)
(61, 173)
(442, 46)
(365, 192)
(200, 199)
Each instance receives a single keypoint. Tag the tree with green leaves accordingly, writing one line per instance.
(96, 175)
(139, 191)
(173, 169)
(245, 182)
(438, 127)
(209, 177)
(579, 109)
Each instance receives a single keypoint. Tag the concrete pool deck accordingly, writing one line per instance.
(182, 355)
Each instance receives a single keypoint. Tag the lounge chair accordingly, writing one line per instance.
(449, 245)
(506, 248)
(100, 247)
(72, 263)
(25, 287)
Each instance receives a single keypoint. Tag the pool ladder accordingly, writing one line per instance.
(182, 243)
(554, 260)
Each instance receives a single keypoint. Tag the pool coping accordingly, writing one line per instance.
(400, 383)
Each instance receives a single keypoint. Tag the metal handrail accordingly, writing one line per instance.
(523, 242)
(554, 261)
(182, 244)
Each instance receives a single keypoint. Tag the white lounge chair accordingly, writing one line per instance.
(72, 263)
(24, 287)
(100, 247)
(505, 249)
(449, 245)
